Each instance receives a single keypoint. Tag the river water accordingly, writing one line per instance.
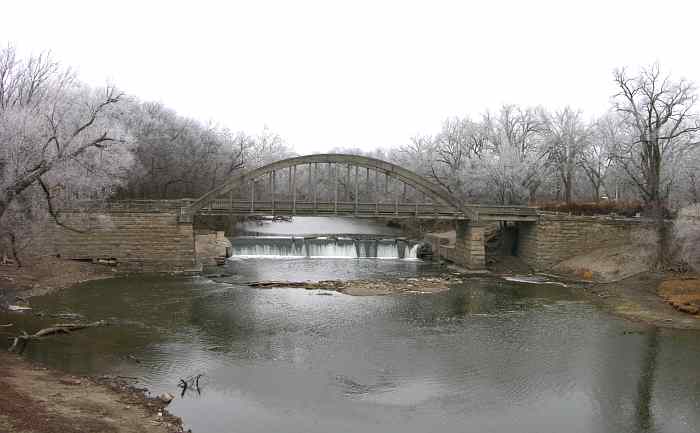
(486, 356)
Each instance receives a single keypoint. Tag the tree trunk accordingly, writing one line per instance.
(15, 254)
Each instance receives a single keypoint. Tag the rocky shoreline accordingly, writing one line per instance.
(44, 400)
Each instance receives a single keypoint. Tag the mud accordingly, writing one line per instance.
(39, 400)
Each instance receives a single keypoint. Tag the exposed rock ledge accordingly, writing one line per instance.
(423, 285)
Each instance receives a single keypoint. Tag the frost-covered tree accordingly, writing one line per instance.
(58, 137)
(566, 137)
(661, 123)
(596, 158)
(660, 118)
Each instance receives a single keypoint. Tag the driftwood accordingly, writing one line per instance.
(70, 316)
(20, 342)
(7, 326)
(268, 284)
(190, 382)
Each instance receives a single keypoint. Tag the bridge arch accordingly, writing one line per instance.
(391, 170)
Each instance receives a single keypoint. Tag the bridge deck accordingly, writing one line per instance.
(368, 210)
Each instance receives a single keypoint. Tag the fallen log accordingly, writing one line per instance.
(7, 326)
(270, 284)
(61, 328)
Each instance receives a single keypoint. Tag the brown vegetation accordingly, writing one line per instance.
(605, 207)
(682, 293)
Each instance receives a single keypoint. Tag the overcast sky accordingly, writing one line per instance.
(371, 74)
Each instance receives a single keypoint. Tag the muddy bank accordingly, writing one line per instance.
(637, 298)
(39, 400)
(374, 287)
(42, 275)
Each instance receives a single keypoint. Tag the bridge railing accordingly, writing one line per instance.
(289, 207)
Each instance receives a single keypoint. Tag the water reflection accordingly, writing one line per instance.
(486, 356)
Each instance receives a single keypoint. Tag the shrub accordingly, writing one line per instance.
(606, 207)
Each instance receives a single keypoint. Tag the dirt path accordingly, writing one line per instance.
(38, 400)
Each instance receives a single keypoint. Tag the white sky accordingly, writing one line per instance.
(365, 74)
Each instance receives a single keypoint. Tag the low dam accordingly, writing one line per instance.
(323, 247)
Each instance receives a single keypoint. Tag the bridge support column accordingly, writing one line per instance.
(469, 245)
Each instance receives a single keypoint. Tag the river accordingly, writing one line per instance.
(485, 356)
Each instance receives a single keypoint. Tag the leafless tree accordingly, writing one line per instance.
(659, 115)
(49, 124)
(596, 158)
(566, 138)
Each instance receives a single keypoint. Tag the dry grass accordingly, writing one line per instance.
(606, 207)
(682, 293)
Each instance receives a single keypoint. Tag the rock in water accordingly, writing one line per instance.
(166, 397)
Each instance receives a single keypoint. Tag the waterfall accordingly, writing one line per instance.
(412, 252)
(322, 247)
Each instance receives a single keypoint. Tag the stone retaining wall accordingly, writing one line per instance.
(138, 241)
(555, 238)
(209, 246)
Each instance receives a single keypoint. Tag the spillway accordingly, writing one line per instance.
(322, 247)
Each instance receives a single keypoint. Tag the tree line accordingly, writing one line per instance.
(644, 148)
(61, 139)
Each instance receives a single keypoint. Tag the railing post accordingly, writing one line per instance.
(311, 180)
(294, 191)
(273, 179)
(396, 206)
(367, 182)
(357, 189)
(335, 193)
(314, 185)
(252, 196)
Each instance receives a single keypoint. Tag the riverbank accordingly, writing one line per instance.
(637, 298)
(43, 275)
(40, 400)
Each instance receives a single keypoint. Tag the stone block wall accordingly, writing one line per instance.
(555, 238)
(469, 245)
(138, 241)
(211, 245)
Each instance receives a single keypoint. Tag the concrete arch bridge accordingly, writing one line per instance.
(340, 184)
(158, 235)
